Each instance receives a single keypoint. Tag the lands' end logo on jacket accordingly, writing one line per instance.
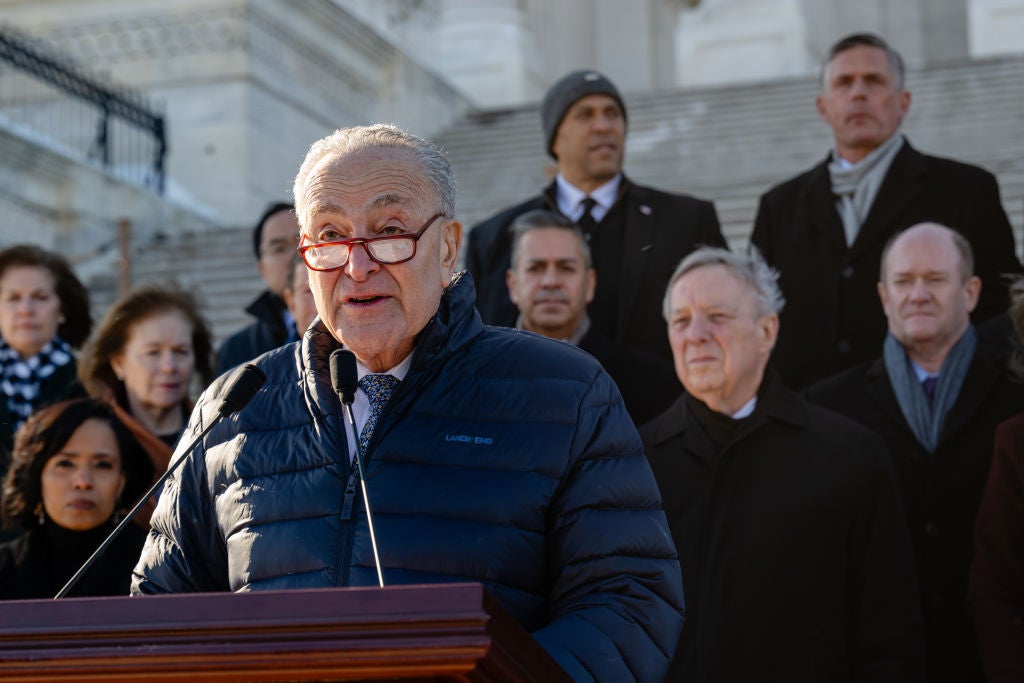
(466, 438)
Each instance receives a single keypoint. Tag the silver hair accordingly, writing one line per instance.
(750, 268)
(347, 140)
(896, 65)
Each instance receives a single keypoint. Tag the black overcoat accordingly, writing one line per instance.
(794, 550)
(941, 491)
(833, 319)
(267, 332)
(659, 228)
(647, 382)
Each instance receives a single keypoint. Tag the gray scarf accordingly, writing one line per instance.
(926, 420)
(856, 187)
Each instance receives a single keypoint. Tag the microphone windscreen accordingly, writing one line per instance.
(344, 375)
(243, 386)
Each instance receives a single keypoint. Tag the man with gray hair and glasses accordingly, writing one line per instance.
(489, 455)
(824, 230)
(794, 548)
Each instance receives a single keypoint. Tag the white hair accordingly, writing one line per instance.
(749, 268)
(346, 140)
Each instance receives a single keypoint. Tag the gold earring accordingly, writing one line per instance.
(40, 513)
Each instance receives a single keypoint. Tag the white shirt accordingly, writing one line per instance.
(361, 404)
(570, 198)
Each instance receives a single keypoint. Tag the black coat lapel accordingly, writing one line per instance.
(982, 376)
(638, 242)
(821, 208)
(677, 423)
(879, 387)
(903, 182)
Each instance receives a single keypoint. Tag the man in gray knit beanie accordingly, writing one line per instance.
(636, 234)
(566, 92)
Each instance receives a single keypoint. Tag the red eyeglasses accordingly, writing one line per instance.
(386, 250)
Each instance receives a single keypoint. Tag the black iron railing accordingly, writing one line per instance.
(54, 98)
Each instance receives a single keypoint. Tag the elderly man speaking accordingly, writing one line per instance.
(490, 455)
(795, 554)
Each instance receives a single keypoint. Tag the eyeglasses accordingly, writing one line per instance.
(386, 250)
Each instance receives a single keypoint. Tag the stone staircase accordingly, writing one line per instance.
(728, 144)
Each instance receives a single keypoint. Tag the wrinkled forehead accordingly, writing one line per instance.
(364, 180)
(921, 250)
(711, 286)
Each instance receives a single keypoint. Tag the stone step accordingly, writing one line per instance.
(728, 144)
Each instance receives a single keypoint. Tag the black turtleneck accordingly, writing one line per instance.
(721, 429)
(40, 562)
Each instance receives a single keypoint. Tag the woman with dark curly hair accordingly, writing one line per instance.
(74, 466)
(44, 314)
(142, 359)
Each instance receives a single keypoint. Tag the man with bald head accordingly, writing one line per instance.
(936, 396)
(489, 455)
(824, 230)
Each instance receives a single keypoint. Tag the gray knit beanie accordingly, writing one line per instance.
(566, 92)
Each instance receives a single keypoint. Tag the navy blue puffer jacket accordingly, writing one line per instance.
(502, 457)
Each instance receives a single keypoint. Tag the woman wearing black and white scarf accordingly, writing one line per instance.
(44, 315)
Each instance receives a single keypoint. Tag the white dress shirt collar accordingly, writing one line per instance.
(570, 197)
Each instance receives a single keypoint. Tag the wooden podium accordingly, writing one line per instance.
(445, 632)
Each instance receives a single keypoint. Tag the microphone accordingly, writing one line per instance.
(344, 376)
(242, 387)
(345, 379)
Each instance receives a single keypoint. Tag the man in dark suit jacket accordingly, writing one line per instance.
(824, 230)
(551, 281)
(637, 234)
(794, 548)
(274, 240)
(935, 397)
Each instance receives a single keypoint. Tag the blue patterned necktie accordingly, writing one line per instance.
(378, 389)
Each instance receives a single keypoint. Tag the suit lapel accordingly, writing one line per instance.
(696, 443)
(903, 182)
(678, 423)
(640, 218)
(821, 208)
(879, 387)
(983, 374)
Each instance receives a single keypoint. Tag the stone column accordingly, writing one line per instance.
(483, 49)
(923, 31)
(723, 41)
(996, 27)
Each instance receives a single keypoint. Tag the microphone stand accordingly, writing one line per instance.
(345, 379)
(240, 391)
(366, 497)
